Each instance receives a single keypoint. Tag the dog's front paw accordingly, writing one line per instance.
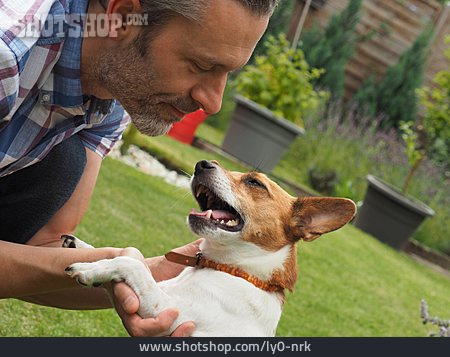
(90, 274)
(70, 241)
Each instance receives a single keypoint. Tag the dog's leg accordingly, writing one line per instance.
(133, 272)
(70, 241)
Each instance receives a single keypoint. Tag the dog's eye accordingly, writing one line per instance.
(254, 182)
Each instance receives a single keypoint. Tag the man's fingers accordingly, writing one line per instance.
(126, 298)
(133, 253)
(184, 330)
(190, 248)
(165, 319)
(158, 326)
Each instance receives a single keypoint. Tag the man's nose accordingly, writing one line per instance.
(209, 94)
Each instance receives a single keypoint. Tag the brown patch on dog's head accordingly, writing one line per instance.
(274, 218)
(264, 206)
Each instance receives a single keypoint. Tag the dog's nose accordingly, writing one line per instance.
(203, 166)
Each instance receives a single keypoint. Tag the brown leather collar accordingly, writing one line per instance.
(201, 262)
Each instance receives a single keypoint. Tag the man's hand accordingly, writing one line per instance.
(127, 303)
(162, 269)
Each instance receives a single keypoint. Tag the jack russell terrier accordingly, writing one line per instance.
(236, 285)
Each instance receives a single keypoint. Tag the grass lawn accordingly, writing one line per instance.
(349, 283)
(180, 155)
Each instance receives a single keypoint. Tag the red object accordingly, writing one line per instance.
(184, 130)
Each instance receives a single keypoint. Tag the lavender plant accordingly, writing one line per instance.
(444, 330)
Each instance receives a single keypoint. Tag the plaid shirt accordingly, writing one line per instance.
(41, 102)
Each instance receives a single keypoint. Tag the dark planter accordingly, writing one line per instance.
(256, 136)
(323, 181)
(389, 215)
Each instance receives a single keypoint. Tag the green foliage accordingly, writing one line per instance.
(396, 93)
(366, 97)
(354, 147)
(436, 119)
(281, 82)
(345, 188)
(332, 49)
(414, 138)
(410, 136)
(433, 128)
(395, 96)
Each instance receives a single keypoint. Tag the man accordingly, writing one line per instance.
(59, 118)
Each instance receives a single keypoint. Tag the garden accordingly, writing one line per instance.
(394, 127)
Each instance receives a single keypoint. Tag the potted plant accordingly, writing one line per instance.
(274, 95)
(387, 213)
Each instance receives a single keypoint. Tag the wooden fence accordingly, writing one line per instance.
(397, 23)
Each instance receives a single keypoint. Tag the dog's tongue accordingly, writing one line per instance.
(215, 214)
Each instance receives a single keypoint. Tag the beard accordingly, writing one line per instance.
(129, 77)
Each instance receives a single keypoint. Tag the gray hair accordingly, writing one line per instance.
(159, 12)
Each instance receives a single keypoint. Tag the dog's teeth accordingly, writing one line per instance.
(232, 223)
(222, 222)
(208, 214)
(201, 189)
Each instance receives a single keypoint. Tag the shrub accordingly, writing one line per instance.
(332, 49)
(436, 119)
(433, 127)
(395, 94)
(281, 82)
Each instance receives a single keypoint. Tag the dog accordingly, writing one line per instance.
(236, 286)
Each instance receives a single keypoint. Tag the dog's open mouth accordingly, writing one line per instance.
(215, 211)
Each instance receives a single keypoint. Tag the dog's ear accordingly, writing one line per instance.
(313, 216)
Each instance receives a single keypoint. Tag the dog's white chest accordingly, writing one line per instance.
(217, 301)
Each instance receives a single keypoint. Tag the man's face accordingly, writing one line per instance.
(185, 68)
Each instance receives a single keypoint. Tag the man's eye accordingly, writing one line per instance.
(200, 68)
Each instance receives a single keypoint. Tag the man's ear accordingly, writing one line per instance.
(118, 12)
(314, 216)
